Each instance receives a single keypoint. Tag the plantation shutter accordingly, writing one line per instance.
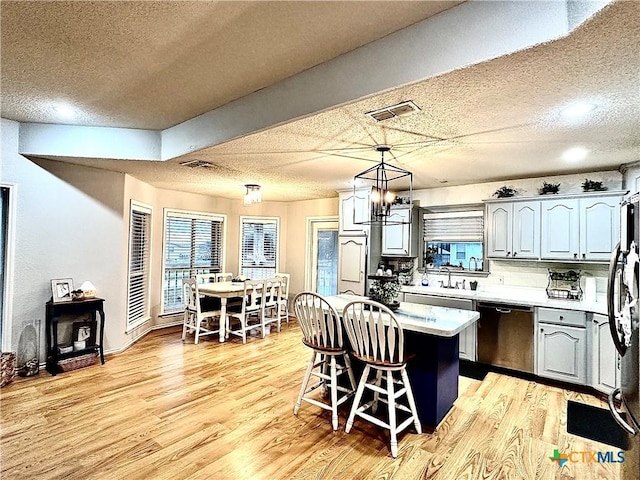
(259, 248)
(193, 243)
(467, 226)
(139, 258)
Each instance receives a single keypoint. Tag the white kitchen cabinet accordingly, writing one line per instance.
(561, 345)
(514, 230)
(401, 240)
(605, 373)
(560, 229)
(599, 227)
(354, 206)
(584, 228)
(467, 338)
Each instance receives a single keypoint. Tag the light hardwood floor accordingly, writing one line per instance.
(165, 409)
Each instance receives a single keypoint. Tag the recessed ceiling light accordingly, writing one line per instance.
(64, 111)
(577, 109)
(575, 154)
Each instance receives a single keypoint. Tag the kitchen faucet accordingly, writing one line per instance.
(448, 278)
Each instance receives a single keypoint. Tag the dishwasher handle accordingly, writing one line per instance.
(504, 308)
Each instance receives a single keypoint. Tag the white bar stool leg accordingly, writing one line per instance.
(334, 394)
(305, 382)
(392, 414)
(356, 400)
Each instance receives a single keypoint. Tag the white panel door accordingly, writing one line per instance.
(599, 227)
(526, 230)
(352, 261)
(560, 229)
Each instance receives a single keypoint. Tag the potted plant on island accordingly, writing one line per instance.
(385, 292)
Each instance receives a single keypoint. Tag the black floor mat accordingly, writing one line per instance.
(473, 370)
(596, 424)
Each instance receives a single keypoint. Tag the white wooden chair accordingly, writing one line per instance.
(284, 302)
(195, 319)
(377, 340)
(272, 303)
(250, 312)
(322, 332)
(224, 277)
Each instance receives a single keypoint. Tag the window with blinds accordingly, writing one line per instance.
(193, 243)
(258, 247)
(139, 259)
(454, 239)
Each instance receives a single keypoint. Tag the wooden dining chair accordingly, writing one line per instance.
(273, 311)
(196, 319)
(224, 277)
(377, 340)
(322, 333)
(284, 301)
(250, 311)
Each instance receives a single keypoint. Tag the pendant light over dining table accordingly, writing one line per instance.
(253, 194)
(386, 181)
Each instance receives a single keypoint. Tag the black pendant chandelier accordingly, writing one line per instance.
(385, 181)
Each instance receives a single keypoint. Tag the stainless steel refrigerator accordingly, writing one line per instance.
(624, 319)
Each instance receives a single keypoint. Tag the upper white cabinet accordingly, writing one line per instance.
(513, 230)
(402, 239)
(599, 227)
(572, 227)
(583, 228)
(560, 229)
(354, 206)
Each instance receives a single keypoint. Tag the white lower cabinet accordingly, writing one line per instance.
(562, 352)
(467, 339)
(605, 373)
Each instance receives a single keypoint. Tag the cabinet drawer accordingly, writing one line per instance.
(562, 317)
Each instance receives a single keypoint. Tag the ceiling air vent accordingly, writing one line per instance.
(197, 164)
(399, 110)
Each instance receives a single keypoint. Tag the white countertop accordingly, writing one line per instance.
(439, 321)
(534, 297)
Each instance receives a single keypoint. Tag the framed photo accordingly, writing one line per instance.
(61, 289)
(84, 331)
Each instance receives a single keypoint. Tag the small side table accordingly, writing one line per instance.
(54, 310)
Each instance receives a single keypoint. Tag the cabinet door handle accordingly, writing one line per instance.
(584, 256)
(561, 317)
(575, 256)
(541, 330)
(515, 253)
(508, 254)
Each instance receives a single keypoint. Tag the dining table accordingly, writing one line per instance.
(223, 291)
(431, 335)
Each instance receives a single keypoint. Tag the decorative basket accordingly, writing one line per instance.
(7, 368)
(80, 361)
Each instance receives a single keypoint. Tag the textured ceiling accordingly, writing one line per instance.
(154, 64)
(492, 121)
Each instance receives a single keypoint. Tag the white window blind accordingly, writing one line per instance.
(258, 247)
(139, 259)
(464, 226)
(193, 243)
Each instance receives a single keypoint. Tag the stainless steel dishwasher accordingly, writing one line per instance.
(505, 336)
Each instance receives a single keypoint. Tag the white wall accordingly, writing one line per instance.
(62, 232)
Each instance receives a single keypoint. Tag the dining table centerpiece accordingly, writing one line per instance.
(385, 291)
